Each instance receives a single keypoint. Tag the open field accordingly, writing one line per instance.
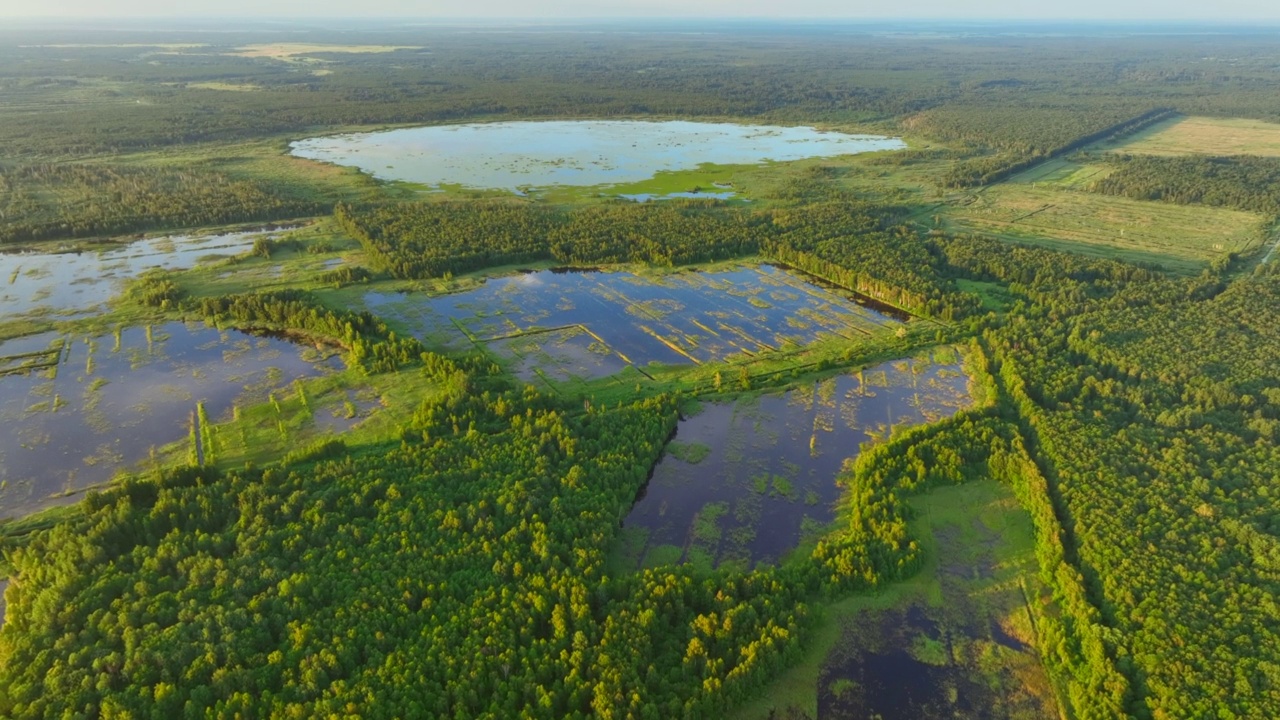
(1177, 237)
(286, 51)
(1205, 136)
(229, 87)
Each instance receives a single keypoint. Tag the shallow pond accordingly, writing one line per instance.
(564, 325)
(521, 155)
(743, 482)
(67, 281)
(91, 406)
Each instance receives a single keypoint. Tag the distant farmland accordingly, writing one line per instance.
(1206, 136)
(1177, 237)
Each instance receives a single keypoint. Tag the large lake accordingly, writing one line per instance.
(518, 156)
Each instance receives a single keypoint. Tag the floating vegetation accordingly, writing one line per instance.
(692, 453)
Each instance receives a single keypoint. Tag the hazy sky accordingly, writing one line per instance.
(1154, 10)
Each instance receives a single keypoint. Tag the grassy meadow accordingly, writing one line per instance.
(1205, 136)
(1180, 238)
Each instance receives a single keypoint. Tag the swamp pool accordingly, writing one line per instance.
(77, 281)
(516, 156)
(559, 325)
(745, 482)
(75, 410)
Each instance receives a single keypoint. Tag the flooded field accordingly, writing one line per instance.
(518, 156)
(74, 410)
(563, 325)
(77, 281)
(743, 482)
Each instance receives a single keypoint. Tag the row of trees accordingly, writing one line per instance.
(1241, 182)
(850, 243)
(1012, 155)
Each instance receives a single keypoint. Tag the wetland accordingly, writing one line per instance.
(77, 281)
(562, 325)
(745, 482)
(74, 410)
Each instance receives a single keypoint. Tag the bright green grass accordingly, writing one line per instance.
(1063, 173)
(995, 298)
(701, 179)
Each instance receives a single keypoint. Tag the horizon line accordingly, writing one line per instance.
(651, 18)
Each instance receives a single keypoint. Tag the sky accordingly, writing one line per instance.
(1151, 10)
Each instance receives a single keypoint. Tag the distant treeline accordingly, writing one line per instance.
(1003, 94)
(848, 243)
(43, 202)
(1241, 182)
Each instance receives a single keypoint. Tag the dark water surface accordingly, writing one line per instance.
(770, 464)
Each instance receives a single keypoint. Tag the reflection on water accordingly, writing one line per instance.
(770, 463)
(516, 155)
(607, 320)
(31, 281)
(113, 398)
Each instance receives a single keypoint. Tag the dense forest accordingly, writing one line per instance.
(46, 202)
(457, 566)
(856, 245)
(112, 98)
(1243, 183)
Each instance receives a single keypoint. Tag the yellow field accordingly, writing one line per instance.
(1206, 136)
(1177, 237)
(285, 51)
(231, 87)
